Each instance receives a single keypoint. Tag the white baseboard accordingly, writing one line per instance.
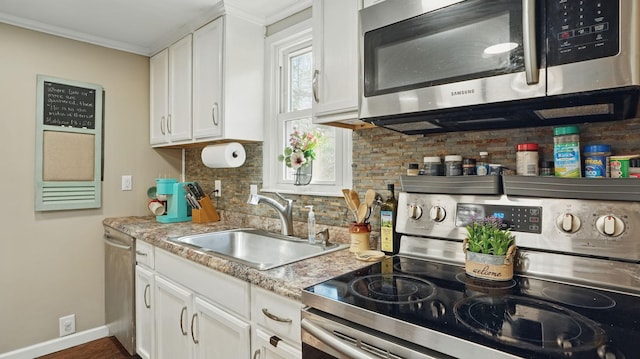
(57, 344)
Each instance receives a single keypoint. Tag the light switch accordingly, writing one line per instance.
(126, 183)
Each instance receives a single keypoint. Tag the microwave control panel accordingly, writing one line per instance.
(579, 30)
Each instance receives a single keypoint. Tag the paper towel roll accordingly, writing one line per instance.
(223, 156)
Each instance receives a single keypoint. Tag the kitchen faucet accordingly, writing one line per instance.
(284, 212)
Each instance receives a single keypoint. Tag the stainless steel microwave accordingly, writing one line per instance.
(455, 65)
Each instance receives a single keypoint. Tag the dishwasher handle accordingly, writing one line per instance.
(327, 338)
(108, 240)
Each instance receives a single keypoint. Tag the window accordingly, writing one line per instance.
(289, 108)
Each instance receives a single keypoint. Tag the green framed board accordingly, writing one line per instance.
(69, 117)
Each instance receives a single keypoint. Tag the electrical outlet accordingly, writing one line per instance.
(127, 185)
(67, 325)
(253, 189)
(218, 188)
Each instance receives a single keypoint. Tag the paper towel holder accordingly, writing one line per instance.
(226, 155)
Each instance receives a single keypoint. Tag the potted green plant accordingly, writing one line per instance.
(489, 249)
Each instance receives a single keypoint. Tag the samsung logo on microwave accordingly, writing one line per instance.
(463, 92)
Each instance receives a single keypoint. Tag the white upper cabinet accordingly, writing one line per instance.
(335, 50)
(207, 80)
(170, 92)
(212, 85)
(228, 92)
(367, 3)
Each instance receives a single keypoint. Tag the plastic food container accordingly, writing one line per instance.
(596, 161)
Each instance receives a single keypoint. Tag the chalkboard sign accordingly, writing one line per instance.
(69, 144)
(69, 106)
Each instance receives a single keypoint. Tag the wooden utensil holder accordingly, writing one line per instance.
(207, 213)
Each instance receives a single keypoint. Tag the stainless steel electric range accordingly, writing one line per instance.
(576, 293)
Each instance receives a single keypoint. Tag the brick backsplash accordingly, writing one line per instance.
(380, 156)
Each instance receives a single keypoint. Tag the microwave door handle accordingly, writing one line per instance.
(529, 41)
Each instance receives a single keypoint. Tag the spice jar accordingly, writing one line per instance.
(413, 169)
(482, 165)
(468, 167)
(527, 159)
(432, 166)
(453, 165)
(546, 168)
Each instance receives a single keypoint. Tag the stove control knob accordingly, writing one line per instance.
(437, 214)
(568, 223)
(415, 211)
(610, 226)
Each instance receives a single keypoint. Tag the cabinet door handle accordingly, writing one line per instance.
(169, 124)
(314, 83)
(146, 291)
(265, 311)
(193, 319)
(140, 253)
(184, 309)
(256, 354)
(215, 113)
(162, 125)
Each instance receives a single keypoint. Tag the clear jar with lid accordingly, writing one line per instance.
(432, 166)
(482, 165)
(527, 159)
(453, 165)
(566, 151)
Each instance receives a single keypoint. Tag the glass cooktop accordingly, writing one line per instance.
(526, 317)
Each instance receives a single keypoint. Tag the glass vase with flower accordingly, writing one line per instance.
(300, 153)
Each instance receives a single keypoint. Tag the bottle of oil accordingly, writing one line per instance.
(389, 242)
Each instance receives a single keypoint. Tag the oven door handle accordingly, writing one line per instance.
(327, 338)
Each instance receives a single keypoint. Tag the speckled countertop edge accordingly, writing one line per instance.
(288, 280)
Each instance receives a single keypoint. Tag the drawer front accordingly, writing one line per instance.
(278, 314)
(145, 254)
(219, 288)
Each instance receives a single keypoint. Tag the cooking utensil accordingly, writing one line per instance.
(371, 199)
(362, 212)
(354, 198)
(352, 207)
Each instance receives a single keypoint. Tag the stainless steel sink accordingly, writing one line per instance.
(257, 248)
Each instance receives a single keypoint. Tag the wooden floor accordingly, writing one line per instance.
(105, 348)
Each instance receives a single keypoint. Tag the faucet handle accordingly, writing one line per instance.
(323, 237)
(253, 199)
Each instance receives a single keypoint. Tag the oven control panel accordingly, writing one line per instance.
(518, 218)
(589, 227)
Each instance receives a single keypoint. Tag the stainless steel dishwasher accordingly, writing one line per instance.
(119, 291)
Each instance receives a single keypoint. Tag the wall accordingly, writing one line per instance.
(380, 156)
(51, 263)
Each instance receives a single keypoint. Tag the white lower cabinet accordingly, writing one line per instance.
(172, 320)
(197, 312)
(185, 310)
(189, 326)
(218, 333)
(145, 287)
(276, 326)
(266, 347)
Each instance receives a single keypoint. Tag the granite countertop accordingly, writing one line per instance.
(287, 280)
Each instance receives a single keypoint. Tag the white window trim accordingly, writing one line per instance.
(272, 144)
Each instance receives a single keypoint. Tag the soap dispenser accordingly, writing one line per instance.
(311, 225)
